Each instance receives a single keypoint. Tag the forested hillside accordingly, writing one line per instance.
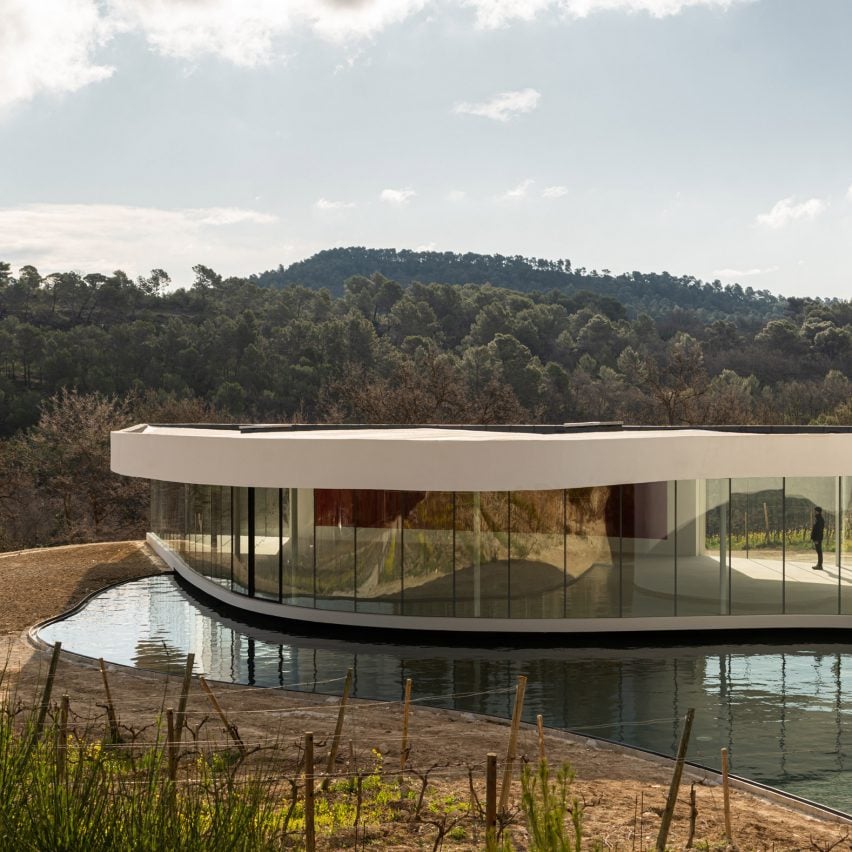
(82, 355)
(639, 292)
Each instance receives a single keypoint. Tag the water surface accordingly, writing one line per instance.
(782, 710)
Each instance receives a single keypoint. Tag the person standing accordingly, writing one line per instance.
(817, 532)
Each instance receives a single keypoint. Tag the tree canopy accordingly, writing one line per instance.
(110, 350)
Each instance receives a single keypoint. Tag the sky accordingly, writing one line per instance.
(710, 138)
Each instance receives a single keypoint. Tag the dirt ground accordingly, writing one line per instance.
(624, 794)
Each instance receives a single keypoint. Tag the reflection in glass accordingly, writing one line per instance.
(647, 549)
(427, 553)
(481, 554)
(757, 546)
(845, 537)
(685, 548)
(267, 543)
(298, 546)
(334, 535)
(240, 573)
(220, 534)
(807, 590)
(703, 573)
(593, 548)
(378, 555)
(537, 554)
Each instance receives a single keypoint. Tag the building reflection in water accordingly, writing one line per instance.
(779, 708)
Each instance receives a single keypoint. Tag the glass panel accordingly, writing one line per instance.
(593, 551)
(156, 510)
(427, 553)
(241, 541)
(647, 549)
(378, 558)
(201, 520)
(267, 543)
(703, 573)
(481, 554)
(220, 535)
(757, 566)
(537, 554)
(810, 519)
(334, 511)
(846, 542)
(298, 541)
(182, 526)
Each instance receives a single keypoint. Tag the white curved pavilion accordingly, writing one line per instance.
(504, 529)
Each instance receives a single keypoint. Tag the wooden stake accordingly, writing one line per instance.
(184, 693)
(111, 717)
(62, 740)
(491, 801)
(338, 730)
(539, 721)
(675, 784)
(726, 797)
(520, 689)
(310, 834)
(231, 729)
(171, 745)
(403, 752)
(635, 808)
(48, 688)
(693, 816)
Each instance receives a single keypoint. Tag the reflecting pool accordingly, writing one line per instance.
(782, 709)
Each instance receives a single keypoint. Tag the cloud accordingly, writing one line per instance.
(849, 194)
(502, 107)
(491, 14)
(250, 32)
(397, 197)
(554, 191)
(48, 46)
(518, 192)
(786, 211)
(230, 216)
(104, 237)
(326, 205)
(456, 196)
(744, 273)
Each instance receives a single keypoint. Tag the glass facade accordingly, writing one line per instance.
(643, 550)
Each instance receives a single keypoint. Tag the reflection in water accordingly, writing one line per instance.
(778, 708)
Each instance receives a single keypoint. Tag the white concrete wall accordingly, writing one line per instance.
(455, 460)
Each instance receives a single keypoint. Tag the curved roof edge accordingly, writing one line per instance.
(437, 458)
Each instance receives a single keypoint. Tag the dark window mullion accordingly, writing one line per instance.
(251, 530)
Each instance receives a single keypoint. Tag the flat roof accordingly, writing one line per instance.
(591, 427)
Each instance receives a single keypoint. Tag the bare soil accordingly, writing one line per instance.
(624, 794)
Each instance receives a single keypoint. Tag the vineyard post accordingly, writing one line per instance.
(668, 813)
(520, 689)
(310, 833)
(726, 797)
(338, 730)
(171, 745)
(110, 707)
(403, 752)
(62, 741)
(231, 729)
(184, 693)
(490, 800)
(48, 688)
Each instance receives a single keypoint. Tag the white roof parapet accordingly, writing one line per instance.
(456, 459)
